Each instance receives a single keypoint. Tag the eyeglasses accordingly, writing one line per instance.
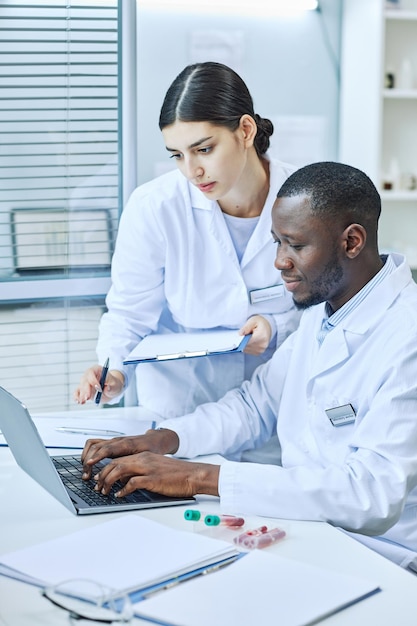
(90, 601)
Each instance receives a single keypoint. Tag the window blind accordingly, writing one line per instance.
(59, 190)
(45, 347)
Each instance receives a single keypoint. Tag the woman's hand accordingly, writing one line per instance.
(261, 332)
(90, 384)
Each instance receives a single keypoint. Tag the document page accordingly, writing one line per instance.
(143, 553)
(186, 345)
(56, 433)
(259, 588)
(72, 433)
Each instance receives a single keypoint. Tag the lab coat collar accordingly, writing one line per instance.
(217, 226)
(336, 348)
(199, 200)
(380, 298)
(261, 235)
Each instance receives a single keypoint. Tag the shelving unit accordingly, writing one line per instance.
(378, 125)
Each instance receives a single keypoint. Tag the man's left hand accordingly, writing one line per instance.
(158, 473)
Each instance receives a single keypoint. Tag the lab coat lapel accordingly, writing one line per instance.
(216, 225)
(333, 351)
(261, 236)
(336, 345)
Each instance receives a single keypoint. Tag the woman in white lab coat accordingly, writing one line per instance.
(194, 249)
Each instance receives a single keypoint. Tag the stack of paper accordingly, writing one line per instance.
(143, 554)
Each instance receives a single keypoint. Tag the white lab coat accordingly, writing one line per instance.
(361, 477)
(175, 269)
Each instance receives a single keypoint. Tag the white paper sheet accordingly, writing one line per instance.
(78, 430)
(259, 588)
(185, 345)
(126, 553)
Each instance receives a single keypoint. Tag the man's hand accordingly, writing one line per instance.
(171, 477)
(90, 384)
(161, 442)
(261, 332)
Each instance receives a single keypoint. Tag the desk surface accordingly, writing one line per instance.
(41, 518)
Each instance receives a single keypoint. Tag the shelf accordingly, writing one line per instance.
(400, 14)
(400, 94)
(376, 39)
(402, 196)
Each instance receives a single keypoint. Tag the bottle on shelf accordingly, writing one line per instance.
(389, 77)
(392, 179)
(409, 181)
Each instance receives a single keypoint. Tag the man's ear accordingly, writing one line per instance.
(248, 128)
(354, 238)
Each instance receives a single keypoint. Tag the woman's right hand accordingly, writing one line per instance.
(90, 384)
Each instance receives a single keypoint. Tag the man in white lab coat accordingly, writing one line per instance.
(341, 391)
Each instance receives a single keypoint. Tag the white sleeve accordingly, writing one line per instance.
(243, 419)
(136, 297)
(367, 490)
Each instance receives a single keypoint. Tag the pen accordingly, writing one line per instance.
(87, 431)
(103, 377)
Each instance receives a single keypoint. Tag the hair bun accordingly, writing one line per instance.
(265, 130)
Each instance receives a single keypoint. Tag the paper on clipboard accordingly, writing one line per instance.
(168, 347)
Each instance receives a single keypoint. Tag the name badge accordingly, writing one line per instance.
(341, 415)
(267, 293)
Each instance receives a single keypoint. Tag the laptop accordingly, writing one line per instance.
(61, 475)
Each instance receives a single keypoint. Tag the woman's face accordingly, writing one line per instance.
(211, 157)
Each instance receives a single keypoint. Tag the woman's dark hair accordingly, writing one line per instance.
(212, 92)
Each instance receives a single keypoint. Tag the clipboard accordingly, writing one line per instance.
(173, 346)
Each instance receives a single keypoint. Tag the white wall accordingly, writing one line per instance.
(286, 64)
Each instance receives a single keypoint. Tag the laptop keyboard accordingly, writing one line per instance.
(70, 470)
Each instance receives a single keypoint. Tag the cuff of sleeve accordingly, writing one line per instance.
(126, 371)
(175, 425)
(227, 486)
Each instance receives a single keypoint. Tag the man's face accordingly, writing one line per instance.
(309, 255)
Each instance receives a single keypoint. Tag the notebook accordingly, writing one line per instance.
(65, 484)
(149, 557)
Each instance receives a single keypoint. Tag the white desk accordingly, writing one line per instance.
(41, 518)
